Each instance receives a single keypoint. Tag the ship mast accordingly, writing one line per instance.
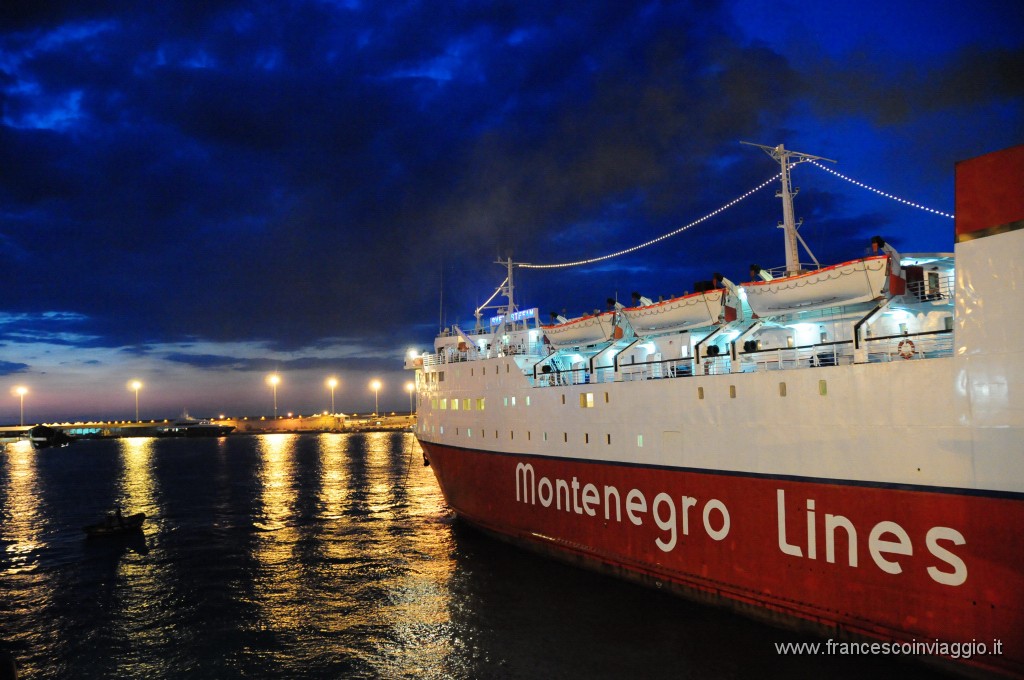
(789, 224)
(506, 288)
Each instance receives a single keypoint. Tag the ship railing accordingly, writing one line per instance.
(931, 289)
(926, 345)
(806, 356)
(910, 346)
(453, 355)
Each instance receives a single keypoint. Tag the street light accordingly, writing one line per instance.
(409, 387)
(136, 385)
(332, 383)
(273, 379)
(21, 391)
(375, 386)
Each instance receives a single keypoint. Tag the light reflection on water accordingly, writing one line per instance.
(22, 525)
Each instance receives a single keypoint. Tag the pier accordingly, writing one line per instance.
(244, 425)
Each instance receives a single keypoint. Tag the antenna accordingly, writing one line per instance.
(789, 226)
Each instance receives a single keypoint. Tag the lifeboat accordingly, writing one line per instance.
(584, 330)
(689, 311)
(842, 284)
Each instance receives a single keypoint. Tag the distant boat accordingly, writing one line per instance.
(45, 437)
(186, 426)
(114, 525)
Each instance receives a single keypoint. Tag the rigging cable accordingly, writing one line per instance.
(660, 238)
(726, 207)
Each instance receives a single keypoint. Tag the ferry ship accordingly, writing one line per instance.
(836, 449)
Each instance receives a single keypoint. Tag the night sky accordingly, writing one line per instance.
(197, 194)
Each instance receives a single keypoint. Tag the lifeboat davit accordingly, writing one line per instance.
(842, 284)
(583, 330)
(680, 313)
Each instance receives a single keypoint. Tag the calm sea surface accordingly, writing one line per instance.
(323, 556)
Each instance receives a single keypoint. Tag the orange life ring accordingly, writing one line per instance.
(906, 349)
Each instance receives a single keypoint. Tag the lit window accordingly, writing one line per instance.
(480, 404)
(639, 441)
(587, 400)
(444, 404)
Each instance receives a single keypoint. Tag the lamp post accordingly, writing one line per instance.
(409, 387)
(21, 391)
(136, 385)
(332, 383)
(273, 379)
(375, 386)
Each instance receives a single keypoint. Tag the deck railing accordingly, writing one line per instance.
(905, 347)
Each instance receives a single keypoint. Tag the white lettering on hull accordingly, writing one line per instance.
(887, 541)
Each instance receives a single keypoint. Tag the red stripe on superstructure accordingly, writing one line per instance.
(748, 564)
(990, 191)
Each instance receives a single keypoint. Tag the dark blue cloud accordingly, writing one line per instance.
(284, 173)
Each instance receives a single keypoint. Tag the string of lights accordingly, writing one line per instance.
(660, 238)
(879, 191)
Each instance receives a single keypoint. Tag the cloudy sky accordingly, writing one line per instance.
(196, 194)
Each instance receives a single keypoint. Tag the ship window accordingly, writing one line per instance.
(528, 437)
(440, 376)
(433, 403)
(607, 399)
(506, 401)
(586, 438)
(608, 438)
(506, 368)
(480, 404)
(732, 391)
(471, 372)
(466, 404)
(565, 437)
(444, 404)
(563, 400)
(822, 388)
(485, 370)
(527, 401)
(587, 400)
(469, 432)
(511, 434)
(782, 389)
(513, 401)
(455, 404)
(639, 441)
(495, 434)
(545, 436)
(442, 429)
(700, 392)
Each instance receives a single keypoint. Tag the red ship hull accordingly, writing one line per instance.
(894, 563)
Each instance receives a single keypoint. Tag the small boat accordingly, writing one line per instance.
(45, 437)
(583, 330)
(678, 314)
(115, 524)
(848, 283)
(186, 426)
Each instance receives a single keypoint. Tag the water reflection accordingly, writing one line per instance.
(22, 525)
(136, 486)
(276, 586)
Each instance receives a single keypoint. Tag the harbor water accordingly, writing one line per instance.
(324, 556)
